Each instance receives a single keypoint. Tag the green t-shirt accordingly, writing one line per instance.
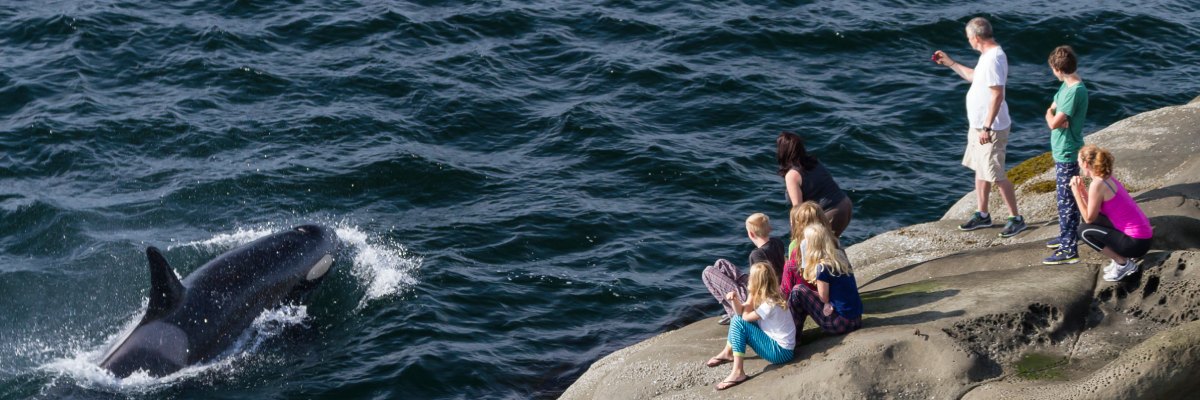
(1073, 101)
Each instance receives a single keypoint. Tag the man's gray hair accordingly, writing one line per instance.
(979, 27)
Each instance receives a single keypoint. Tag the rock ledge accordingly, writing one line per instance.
(961, 314)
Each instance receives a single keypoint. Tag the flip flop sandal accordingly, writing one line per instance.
(716, 362)
(731, 383)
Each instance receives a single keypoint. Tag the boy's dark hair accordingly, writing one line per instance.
(1063, 59)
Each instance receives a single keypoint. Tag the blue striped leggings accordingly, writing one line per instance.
(742, 333)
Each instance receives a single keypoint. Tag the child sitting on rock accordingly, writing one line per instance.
(835, 305)
(1129, 234)
(802, 215)
(762, 322)
(723, 277)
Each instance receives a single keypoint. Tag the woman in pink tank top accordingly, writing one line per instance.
(1129, 234)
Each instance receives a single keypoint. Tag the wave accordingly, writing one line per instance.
(82, 365)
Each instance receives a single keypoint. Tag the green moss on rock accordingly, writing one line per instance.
(1041, 366)
(1041, 187)
(1030, 168)
(890, 300)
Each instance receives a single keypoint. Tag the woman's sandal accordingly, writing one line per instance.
(729, 384)
(716, 361)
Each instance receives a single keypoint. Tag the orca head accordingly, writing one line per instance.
(319, 243)
(158, 348)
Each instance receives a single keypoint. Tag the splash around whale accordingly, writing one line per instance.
(197, 319)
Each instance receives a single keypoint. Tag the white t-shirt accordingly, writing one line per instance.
(992, 70)
(777, 323)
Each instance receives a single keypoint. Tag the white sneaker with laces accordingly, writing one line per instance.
(1122, 271)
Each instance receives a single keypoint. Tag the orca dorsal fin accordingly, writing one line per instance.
(166, 292)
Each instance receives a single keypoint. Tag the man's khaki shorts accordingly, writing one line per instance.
(986, 159)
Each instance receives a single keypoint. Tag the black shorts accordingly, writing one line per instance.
(1100, 237)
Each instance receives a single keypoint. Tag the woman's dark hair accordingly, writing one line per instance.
(790, 153)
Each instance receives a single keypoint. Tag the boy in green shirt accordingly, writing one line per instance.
(1065, 118)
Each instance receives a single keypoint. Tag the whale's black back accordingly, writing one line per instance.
(206, 312)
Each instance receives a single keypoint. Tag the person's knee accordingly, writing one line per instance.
(711, 272)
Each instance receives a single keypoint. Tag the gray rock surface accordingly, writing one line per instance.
(954, 314)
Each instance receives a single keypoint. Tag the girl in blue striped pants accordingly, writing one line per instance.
(762, 322)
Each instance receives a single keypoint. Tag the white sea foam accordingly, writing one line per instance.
(226, 241)
(82, 365)
(272, 322)
(382, 266)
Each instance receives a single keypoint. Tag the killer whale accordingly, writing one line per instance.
(196, 319)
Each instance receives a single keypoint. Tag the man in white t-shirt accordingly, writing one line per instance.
(987, 113)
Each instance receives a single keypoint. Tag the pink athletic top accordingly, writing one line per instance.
(1125, 215)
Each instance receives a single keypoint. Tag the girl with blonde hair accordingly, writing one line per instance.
(762, 322)
(835, 305)
(802, 215)
(1130, 233)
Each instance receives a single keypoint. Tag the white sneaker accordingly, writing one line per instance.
(1108, 269)
(1121, 271)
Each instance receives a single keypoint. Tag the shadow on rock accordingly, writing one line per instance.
(910, 319)
(1185, 233)
(1187, 190)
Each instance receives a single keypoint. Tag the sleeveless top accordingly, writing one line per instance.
(818, 186)
(1125, 215)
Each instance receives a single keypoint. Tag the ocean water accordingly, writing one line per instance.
(520, 187)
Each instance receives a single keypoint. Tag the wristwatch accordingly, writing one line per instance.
(987, 129)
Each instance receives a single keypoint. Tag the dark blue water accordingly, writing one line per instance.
(521, 188)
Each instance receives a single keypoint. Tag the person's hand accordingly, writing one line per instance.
(1077, 182)
(985, 137)
(942, 58)
(828, 309)
(732, 297)
(1079, 187)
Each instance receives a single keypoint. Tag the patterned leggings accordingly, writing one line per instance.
(805, 302)
(723, 277)
(742, 333)
(1068, 212)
